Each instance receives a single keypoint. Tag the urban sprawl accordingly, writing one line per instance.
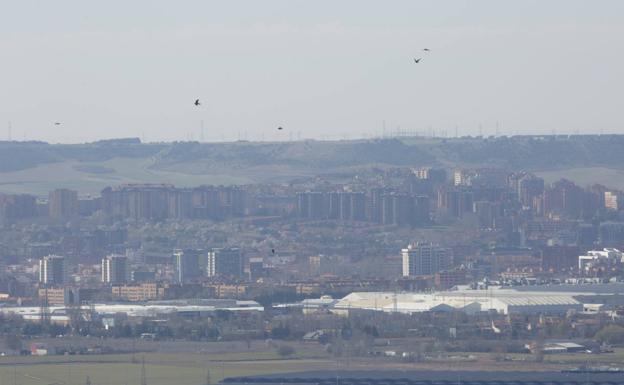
(454, 255)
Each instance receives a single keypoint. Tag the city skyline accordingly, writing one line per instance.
(351, 192)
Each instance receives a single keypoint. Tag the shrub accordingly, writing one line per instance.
(611, 334)
(285, 351)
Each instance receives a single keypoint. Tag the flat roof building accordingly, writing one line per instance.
(227, 262)
(115, 269)
(424, 259)
(52, 270)
(503, 301)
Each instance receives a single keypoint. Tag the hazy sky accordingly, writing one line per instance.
(318, 68)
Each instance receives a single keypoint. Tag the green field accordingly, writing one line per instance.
(191, 368)
(91, 178)
(160, 369)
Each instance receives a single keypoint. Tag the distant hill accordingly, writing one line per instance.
(128, 160)
(23, 155)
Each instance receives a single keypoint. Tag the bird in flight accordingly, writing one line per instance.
(197, 103)
(417, 60)
(57, 123)
(280, 128)
(426, 49)
(273, 251)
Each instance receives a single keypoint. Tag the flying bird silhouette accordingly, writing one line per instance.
(57, 123)
(280, 128)
(273, 251)
(417, 60)
(426, 49)
(197, 103)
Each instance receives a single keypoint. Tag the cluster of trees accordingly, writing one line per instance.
(611, 334)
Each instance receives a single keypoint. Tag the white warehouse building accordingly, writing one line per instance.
(502, 301)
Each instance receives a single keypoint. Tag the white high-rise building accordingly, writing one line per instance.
(52, 270)
(424, 259)
(225, 263)
(115, 269)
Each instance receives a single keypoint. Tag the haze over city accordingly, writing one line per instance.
(320, 69)
(289, 192)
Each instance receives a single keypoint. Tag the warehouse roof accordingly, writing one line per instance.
(463, 300)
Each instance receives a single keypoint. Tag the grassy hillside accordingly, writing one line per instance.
(36, 167)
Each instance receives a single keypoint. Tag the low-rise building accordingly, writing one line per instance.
(606, 256)
(59, 296)
(137, 293)
(448, 279)
(502, 301)
(228, 291)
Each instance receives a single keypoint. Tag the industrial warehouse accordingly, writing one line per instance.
(505, 301)
(543, 300)
(195, 307)
(470, 302)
